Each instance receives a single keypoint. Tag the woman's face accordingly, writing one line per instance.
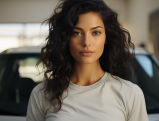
(88, 34)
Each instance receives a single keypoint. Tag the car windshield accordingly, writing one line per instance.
(18, 76)
(147, 78)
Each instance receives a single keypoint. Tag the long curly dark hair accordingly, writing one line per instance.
(55, 55)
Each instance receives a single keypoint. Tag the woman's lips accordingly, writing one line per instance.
(86, 54)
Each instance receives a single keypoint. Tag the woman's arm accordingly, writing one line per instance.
(35, 111)
(137, 108)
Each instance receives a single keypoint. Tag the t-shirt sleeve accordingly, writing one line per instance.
(35, 111)
(137, 107)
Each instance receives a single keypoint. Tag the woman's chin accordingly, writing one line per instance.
(87, 61)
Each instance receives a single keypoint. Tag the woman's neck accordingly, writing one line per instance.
(86, 74)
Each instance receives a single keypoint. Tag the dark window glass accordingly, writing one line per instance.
(18, 76)
(147, 77)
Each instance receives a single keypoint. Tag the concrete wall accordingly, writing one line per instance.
(138, 12)
(120, 7)
(35, 11)
(133, 14)
(154, 32)
(25, 11)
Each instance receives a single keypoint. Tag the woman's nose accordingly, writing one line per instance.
(87, 40)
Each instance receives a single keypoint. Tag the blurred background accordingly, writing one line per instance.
(20, 25)
(20, 21)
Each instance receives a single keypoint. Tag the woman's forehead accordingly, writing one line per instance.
(89, 20)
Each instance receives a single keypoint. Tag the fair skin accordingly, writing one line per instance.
(88, 34)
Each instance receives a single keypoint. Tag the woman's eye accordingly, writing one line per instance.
(76, 33)
(96, 33)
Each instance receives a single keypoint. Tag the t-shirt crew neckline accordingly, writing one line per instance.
(101, 80)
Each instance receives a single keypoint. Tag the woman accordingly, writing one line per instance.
(86, 68)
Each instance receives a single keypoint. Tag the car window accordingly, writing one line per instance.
(27, 68)
(147, 77)
(18, 76)
(146, 64)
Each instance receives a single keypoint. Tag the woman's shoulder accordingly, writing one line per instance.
(130, 94)
(131, 98)
(38, 89)
(125, 87)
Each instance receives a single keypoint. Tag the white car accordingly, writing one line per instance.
(18, 76)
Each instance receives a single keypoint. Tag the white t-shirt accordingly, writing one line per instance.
(106, 100)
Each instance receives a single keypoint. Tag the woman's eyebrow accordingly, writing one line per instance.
(96, 27)
(77, 28)
(90, 29)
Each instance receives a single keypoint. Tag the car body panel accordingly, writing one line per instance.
(12, 118)
(153, 117)
(26, 49)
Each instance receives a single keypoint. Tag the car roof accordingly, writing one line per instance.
(37, 49)
(24, 49)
